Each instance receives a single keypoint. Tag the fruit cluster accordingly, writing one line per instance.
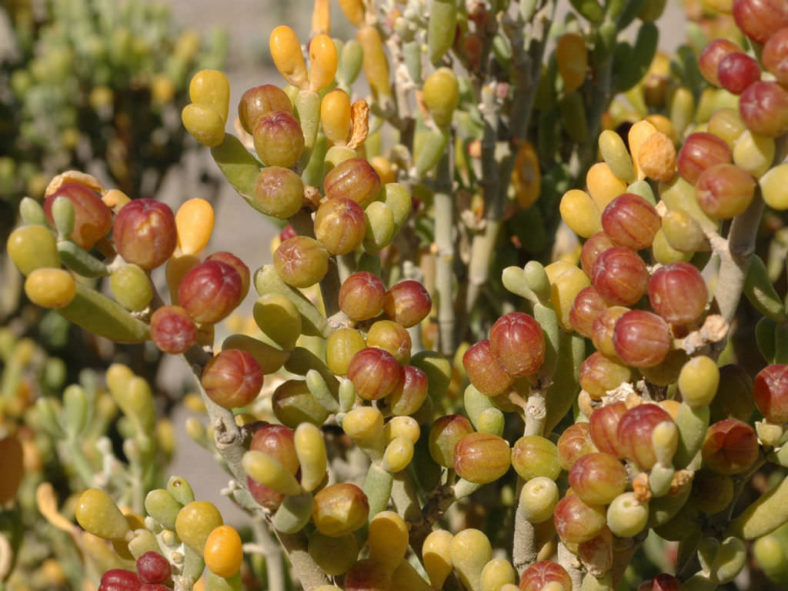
(385, 382)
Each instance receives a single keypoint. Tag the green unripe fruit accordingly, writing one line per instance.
(32, 247)
(98, 514)
(534, 456)
(195, 522)
(626, 516)
(163, 507)
(301, 261)
(204, 123)
(698, 381)
(131, 287)
(538, 498)
(442, 94)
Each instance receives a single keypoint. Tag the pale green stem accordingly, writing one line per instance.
(444, 225)
(273, 555)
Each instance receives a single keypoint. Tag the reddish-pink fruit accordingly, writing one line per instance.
(484, 371)
(517, 344)
(662, 582)
(367, 575)
(737, 71)
(760, 19)
(408, 398)
(445, 432)
(482, 457)
(678, 293)
(710, 58)
(408, 302)
(278, 442)
(287, 233)
(210, 291)
(604, 328)
(144, 233)
(259, 101)
(340, 225)
(592, 248)
(232, 379)
(172, 330)
(587, 306)
(361, 296)
(237, 264)
(353, 179)
(634, 433)
(730, 447)
(540, 574)
(278, 139)
(700, 151)
(764, 108)
(770, 391)
(574, 443)
(724, 191)
(92, 219)
(375, 373)
(631, 221)
(118, 579)
(774, 56)
(641, 339)
(576, 521)
(153, 568)
(263, 495)
(600, 374)
(598, 478)
(620, 276)
(603, 428)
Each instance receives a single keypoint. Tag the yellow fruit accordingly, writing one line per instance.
(50, 288)
(572, 55)
(287, 56)
(194, 224)
(223, 553)
(98, 514)
(322, 62)
(195, 522)
(210, 88)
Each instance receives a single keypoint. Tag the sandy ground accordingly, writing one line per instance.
(239, 229)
